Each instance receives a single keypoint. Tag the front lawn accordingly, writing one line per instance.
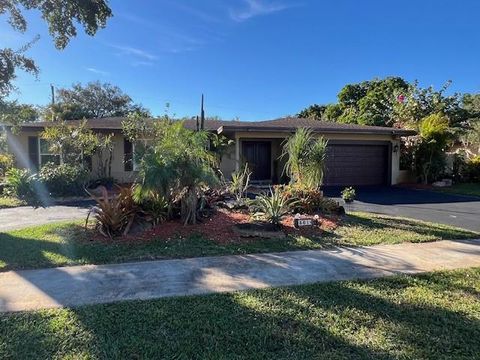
(68, 243)
(463, 189)
(10, 202)
(429, 316)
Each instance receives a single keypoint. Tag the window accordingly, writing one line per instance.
(45, 155)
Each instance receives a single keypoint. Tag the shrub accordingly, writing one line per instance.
(272, 207)
(155, 207)
(472, 169)
(348, 194)
(6, 163)
(64, 179)
(20, 183)
(309, 201)
(114, 215)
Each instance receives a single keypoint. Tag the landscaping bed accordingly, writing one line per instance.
(429, 316)
(64, 244)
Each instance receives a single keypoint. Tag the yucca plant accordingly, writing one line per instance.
(272, 207)
(305, 158)
(114, 214)
(240, 182)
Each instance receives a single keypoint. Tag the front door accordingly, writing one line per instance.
(258, 156)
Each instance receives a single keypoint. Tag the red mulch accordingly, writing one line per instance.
(219, 228)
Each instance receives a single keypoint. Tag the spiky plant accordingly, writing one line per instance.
(305, 158)
(272, 207)
(240, 182)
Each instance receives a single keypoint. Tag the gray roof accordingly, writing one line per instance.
(287, 124)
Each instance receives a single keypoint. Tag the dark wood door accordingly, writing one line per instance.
(349, 165)
(258, 155)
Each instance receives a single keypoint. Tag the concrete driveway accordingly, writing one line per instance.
(24, 216)
(456, 210)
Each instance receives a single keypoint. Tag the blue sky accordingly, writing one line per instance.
(258, 59)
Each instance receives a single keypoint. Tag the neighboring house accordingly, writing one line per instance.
(357, 155)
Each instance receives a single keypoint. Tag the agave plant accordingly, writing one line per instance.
(305, 158)
(272, 207)
(114, 214)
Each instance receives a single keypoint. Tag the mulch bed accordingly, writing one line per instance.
(219, 228)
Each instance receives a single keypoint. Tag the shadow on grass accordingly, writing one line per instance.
(362, 320)
(385, 223)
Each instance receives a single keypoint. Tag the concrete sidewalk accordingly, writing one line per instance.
(80, 285)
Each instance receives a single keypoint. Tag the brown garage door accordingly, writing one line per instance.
(359, 164)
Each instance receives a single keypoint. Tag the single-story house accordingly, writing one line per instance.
(357, 155)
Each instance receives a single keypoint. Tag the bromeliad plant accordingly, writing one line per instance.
(114, 214)
(272, 207)
(305, 158)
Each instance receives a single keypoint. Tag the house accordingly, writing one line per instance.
(357, 155)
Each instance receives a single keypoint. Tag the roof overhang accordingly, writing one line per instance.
(366, 131)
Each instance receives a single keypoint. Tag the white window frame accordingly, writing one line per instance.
(39, 140)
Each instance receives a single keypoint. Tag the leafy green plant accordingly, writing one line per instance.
(349, 194)
(472, 169)
(6, 163)
(64, 179)
(309, 201)
(272, 207)
(305, 158)
(154, 206)
(114, 214)
(179, 166)
(20, 183)
(240, 182)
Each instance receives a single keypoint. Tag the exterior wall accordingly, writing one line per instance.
(18, 146)
(228, 163)
(277, 138)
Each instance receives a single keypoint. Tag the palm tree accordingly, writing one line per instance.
(178, 166)
(305, 158)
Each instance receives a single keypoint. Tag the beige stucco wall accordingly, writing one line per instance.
(18, 145)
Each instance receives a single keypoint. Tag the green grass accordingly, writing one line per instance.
(430, 316)
(463, 189)
(10, 202)
(68, 244)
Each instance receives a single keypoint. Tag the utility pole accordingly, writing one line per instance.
(52, 89)
(202, 116)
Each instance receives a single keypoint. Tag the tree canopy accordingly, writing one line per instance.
(393, 101)
(62, 18)
(94, 100)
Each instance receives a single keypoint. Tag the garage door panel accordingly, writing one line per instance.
(359, 164)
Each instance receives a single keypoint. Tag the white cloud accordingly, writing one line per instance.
(255, 8)
(128, 50)
(97, 71)
(142, 63)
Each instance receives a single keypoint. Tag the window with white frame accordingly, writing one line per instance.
(45, 155)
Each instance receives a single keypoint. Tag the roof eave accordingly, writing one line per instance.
(393, 132)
